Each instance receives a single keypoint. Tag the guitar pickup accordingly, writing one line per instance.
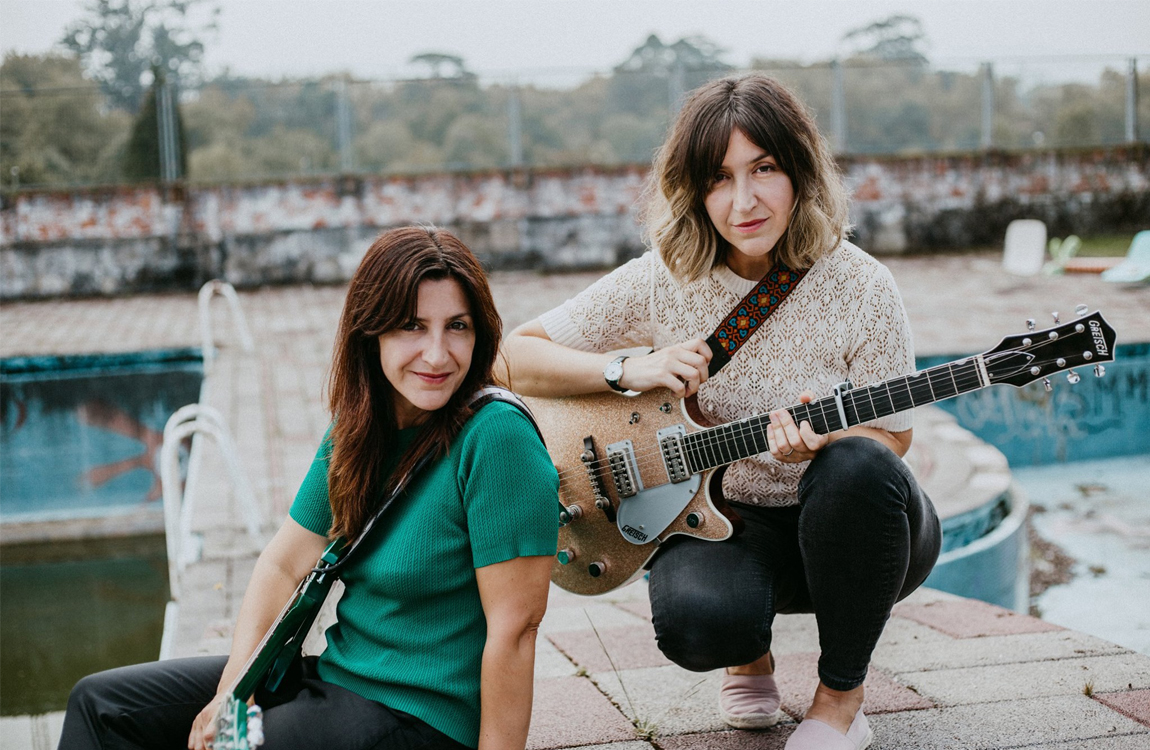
(671, 446)
(624, 475)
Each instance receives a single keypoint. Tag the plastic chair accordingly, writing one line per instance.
(1061, 251)
(1025, 247)
(1136, 267)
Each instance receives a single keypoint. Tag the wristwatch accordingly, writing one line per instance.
(613, 372)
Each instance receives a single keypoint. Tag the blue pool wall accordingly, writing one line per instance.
(1096, 418)
(80, 435)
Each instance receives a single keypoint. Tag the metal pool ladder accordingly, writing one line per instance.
(183, 545)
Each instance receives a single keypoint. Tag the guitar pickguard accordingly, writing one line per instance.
(647, 515)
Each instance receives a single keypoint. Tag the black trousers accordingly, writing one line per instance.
(863, 537)
(152, 706)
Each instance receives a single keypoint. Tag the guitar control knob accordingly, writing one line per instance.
(1099, 371)
(1081, 310)
(569, 514)
(565, 556)
(1036, 370)
(1072, 377)
(597, 569)
(694, 520)
(1046, 384)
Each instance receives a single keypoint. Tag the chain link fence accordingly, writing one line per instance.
(237, 129)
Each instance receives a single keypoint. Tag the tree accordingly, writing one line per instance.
(435, 61)
(119, 41)
(895, 38)
(55, 127)
(142, 159)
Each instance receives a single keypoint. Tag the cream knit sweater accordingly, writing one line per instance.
(845, 321)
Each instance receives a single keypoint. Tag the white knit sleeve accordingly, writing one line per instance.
(613, 313)
(884, 348)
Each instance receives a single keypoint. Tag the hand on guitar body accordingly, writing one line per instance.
(681, 369)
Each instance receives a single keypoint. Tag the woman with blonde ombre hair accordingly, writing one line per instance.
(834, 524)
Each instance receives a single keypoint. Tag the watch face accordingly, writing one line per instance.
(613, 372)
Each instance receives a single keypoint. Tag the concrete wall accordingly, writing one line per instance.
(126, 239)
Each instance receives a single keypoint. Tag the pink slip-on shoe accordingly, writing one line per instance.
(813, 734)
(750, 701)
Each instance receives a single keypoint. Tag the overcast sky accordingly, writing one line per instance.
(553, 40)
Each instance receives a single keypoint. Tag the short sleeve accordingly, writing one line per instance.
(509, 488)
(311, 507)
(884, 348)
(613, 313)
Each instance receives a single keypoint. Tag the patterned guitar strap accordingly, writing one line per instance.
(737, 327)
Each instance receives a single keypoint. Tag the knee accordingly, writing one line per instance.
(861, 471)
(702, 636)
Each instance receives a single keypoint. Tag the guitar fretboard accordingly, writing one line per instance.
(718, 446)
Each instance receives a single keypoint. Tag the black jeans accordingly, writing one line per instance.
(863, 536)
(152, 706)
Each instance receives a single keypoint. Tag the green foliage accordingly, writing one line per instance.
(54, 127)
(57, 127)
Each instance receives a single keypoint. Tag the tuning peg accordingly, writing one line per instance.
(1081, 310)
(1030, 324)
(1055, 316)
(1072, 377)
(1046, 384)
(1099, 371)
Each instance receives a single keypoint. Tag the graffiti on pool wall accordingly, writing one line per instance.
(1096, 418)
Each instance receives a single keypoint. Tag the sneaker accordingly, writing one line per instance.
(813, 734)
(750, 701)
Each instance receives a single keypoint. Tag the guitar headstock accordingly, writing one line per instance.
(1037, 354)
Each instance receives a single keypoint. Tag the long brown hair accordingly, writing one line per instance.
(382, 297)
(674, 215)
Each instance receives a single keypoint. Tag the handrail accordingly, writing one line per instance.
(228, 292)
(195, 420)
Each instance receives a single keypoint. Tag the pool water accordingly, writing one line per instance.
(73, 608)
(80, 439)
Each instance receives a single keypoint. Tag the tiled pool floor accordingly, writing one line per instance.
(1098, 512)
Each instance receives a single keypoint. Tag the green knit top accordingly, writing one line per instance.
(411, 629)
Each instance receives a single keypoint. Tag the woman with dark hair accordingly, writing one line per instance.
(834, 524)
(435, 640)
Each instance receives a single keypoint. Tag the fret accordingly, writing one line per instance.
(885, 404)
(759, 434)
(969, 376)
(918, 386)
(726, 445)
(741, 439)
(830, 412)
(851, 412)
(942, 383)
(863, 407)
(905, 399)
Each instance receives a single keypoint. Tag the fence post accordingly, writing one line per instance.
(514, 126)
(1132, 101)
(169, 134)
(987, 139)
(343, 127)
(838, 107)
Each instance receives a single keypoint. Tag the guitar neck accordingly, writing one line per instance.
(724, 444)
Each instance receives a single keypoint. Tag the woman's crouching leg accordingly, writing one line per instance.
(142, 706)
(711, 604)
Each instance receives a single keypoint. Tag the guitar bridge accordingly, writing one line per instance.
(671, 446)
(621, 459)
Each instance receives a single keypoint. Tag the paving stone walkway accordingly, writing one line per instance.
(948, 672)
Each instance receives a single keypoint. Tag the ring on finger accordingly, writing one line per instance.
(789, 453)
